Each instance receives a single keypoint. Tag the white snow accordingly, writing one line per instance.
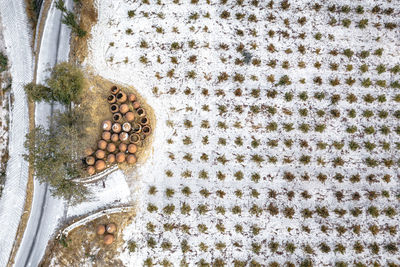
(17, 39)
(115, 55)
(55, 211)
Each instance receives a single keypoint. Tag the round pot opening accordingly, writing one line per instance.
(146, 129)
(144, 120)
(134, 138)
(114, 108)
(120, 95)
(116, 117)
(110, 98)
(137, 128)
(140, 111)
(114, 89)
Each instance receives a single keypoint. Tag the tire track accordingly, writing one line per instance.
(17, 40)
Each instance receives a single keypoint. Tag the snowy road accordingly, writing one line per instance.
(18, 40)
(46, 210)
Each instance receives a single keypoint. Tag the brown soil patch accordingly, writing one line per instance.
(88, 17)
(83, 245)
(95, 101)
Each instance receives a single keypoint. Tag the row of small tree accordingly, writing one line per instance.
(55, 153)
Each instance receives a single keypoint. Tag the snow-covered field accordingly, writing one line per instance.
(277, 137)
(4, 103)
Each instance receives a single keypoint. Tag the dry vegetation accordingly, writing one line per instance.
(82, 245)
(95, 101)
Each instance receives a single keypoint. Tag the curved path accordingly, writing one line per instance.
(46, 210)
(17, 38)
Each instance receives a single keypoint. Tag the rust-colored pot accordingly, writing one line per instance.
(100, 165)
(88, 151)
(132, 148)
(117, 117)
(106, 135)
(114, 108)
(134, 138)
(111, 158)
(116, 127)
(144, 121)
(114, 138)
(131, 159)
(91, 170)
(136, 105)
(122, 147)
(130, 116)
(90, 160)
(126, 127)
(102, 144)
(146, 130)
(111, 99)
(124, 108)
(141, 112)
(108, 239)
(132, 97)
(100, 154)
(114, 90)
(123, 136)
(101, 229)
(121, 97)
(111, 147)
(136, 128)
(107, 125)
(111, 228)
(120, 157)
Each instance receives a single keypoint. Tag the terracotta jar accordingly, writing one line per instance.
(101, 229)
(146, 130)
(124, 108)
(114, 90)
(136, 105)
(108, 239)
(134, 138)
(130, 116)
(114, 108)
(121, 97)
(100, 154)
(111, 147)
(88, 151)
(114, 138)
(100, 165)
(116, 127)
(102, 144)
(90, 160)
(106, 135)
(144, 120)
(91, 170)
(111, 99)
(111, 158)
(136, 128)
(132, 97)
(111, 227)
(124, 136)
(122, 147)
(117, 117)
(132, 148)
(131, 159)
(126, 127)
(107, 125)
(120, 157)
(141, 112)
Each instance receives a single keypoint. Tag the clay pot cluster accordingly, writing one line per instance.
(121, 135)
(107, 231)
